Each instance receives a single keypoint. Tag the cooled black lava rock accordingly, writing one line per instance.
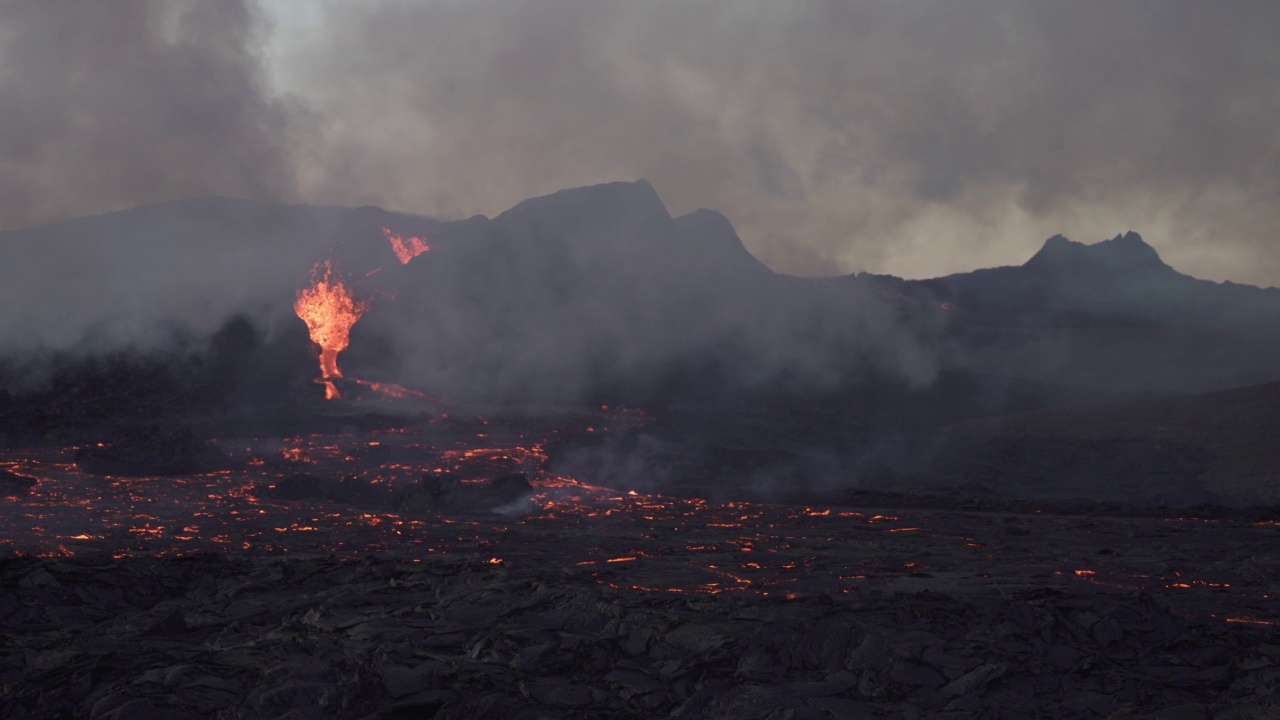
(327, 638)
(356, 491)
(152, 449)
(444, 492)
(508, 488)
(298, 486)
(12, 483)
(350, 490)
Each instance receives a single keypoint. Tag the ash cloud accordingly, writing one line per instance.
(909, 137)
(113, 105)
(917, 138)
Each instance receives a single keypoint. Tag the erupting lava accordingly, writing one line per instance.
(329, 312)
(406, 248)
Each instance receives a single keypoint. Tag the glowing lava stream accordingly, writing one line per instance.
(329, 312)
(406, 248)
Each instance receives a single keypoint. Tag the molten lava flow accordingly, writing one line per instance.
(329, 312)
(406, 248)
(393, 391)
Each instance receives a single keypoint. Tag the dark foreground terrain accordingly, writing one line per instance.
(208, 636)
(641, 606)
(448, 569)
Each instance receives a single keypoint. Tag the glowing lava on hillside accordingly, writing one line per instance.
(406, 248)
(329, 312)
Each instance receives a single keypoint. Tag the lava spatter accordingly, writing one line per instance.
(406, 248)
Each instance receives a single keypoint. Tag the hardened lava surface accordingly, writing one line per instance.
(220, 595)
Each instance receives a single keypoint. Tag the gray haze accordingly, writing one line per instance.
(916, 138)
(112, 105)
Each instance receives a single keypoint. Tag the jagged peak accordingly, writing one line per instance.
(1125, 252)
(1132, 247)
(716, 232)
(709, 219)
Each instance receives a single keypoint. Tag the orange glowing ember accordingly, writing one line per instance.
(406, 248)
(329, 312)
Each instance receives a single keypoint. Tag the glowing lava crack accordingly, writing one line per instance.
(329, 312)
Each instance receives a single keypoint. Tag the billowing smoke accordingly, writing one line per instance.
(598, 293)
(916, 138)
(589, 295)
(111, 106)
(142, 101)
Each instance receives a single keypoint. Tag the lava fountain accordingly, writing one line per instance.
(406, 248)
(329, 312)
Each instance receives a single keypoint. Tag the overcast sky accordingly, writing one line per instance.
(916, 138)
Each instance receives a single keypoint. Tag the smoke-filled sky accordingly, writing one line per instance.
(916, 138)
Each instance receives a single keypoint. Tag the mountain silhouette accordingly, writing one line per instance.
(1121, 282)
(599, 295)
(599, 290)
(1127, 253)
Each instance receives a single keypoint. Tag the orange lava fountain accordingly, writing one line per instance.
(406, 248)
(329, 312)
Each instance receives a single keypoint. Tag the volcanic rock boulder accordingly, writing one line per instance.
(434, 492)
(349, 490)
(12, 483)
(437, 492)
(299, 486)
(152, 449)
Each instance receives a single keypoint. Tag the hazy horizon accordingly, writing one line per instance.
(909, 138)
(1033, 249)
